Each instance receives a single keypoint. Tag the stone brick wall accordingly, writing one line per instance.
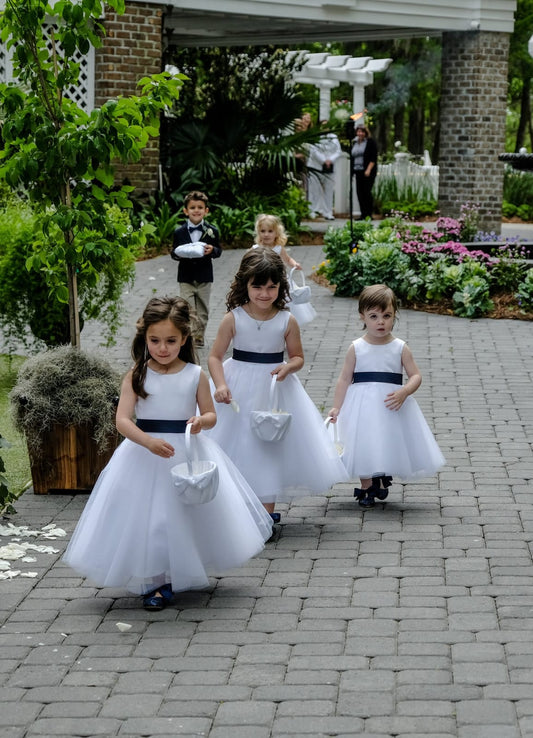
(473, 104)
(131, 50)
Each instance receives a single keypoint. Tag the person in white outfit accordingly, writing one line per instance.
(321, 179)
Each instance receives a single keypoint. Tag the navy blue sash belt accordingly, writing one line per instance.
(161, 426)
(388, 377)
(255, 358)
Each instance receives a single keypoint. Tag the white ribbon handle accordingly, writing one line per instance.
(273, 394)
(191, 455)
(291, 278)
(327, 421)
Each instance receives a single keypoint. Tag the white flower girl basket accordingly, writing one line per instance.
(273, 424)
(298, 293)
(196, 480)
(338, 445)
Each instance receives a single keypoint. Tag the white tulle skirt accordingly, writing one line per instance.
(379, 441)
(135, 533)
(305, 462)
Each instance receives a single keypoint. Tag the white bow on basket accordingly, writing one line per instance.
(196, 480)
(298, 294)
(338, 445)
(273, 424)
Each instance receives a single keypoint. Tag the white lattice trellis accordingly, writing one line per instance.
(82, 93)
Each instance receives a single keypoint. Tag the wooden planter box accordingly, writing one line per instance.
(69, 460)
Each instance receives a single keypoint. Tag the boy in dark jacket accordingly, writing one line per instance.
(196, 244)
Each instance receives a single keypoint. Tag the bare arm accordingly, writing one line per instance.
(126, 426)
(343, 382)
(225, 334)
(288, 259)
(395, 400)
(294, 350)
(207, 417)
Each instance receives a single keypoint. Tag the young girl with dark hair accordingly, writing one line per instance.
(263, 332)
(135, 531)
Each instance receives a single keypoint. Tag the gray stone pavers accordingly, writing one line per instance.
(412, 620)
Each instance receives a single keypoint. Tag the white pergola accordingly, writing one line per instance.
(326, 71)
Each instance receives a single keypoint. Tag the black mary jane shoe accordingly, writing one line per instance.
(158, 598)
(381, 484)
(365, 497)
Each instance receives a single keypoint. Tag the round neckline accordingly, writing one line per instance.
(167, 374)
(258, 320)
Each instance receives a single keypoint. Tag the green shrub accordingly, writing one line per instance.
(33, 286)
(236, 224)
(472, 299)
(525, 292)
(416, 209)
(338, 268)
(509, 270)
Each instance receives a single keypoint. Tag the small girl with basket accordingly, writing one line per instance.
(381, 425)
(261, 330)
(270, 232)
(136, 531)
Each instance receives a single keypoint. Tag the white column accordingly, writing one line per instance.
(358, 99)
(324, 89)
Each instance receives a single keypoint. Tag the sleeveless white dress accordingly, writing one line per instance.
(135, 533)
(306, 461)
(303, 312)
(398, 443)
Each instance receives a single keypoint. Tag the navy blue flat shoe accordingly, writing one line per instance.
(158, 599)
(276, 517)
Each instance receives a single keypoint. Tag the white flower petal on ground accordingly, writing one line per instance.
(123, 627)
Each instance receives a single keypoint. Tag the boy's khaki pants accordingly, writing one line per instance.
(197, 295)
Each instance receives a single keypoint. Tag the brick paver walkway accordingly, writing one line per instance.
(413, 620)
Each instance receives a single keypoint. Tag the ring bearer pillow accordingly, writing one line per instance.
(193, 250)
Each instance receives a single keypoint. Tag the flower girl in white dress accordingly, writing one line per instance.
(262, 330)
(135, 532)
(270, 232)
(381, 426)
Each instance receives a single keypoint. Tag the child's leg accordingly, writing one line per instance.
(269, 507)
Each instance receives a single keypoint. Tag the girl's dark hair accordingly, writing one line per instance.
(179, 312)
(377, 296)
(259, 265)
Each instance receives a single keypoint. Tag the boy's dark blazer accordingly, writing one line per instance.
(201, 269)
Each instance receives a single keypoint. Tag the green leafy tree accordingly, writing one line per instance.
(234, 138)
(61, 156)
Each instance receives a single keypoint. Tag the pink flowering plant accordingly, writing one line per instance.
(426, 265)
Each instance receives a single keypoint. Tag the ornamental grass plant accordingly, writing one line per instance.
(65, 386)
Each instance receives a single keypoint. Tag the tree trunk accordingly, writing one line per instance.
(73, 308)
(524, 123)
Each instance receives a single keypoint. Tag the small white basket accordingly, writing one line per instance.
(271, 425)
(338, 445)
(196, 480)
(298, 293)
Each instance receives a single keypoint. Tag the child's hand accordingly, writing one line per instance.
(395, 400)
(160, 447)
(281, 372)
(296, 265)
(333, 414)
(196, 424)
(223, 394)
(208, 248)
